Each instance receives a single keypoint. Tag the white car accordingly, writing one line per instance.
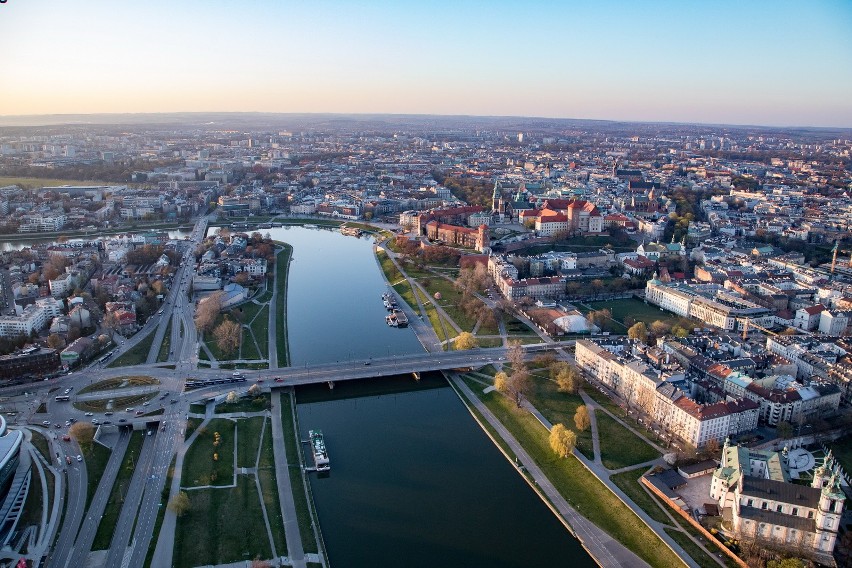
(89, 414)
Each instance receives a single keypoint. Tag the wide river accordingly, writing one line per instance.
(414, 481)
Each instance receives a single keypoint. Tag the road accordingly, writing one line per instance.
(164, 448)
(79, 555)
(176, 304)
(127, 517)
(75, 502)
(285, 493)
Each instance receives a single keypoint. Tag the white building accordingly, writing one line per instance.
(753, 489)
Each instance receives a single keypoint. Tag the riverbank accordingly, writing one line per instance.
(572, 491)
(279, 304)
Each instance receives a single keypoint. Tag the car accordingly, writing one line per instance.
(129, 409)
(139, 413)
(367, 362)
(172, 401)
(57, 425)
(146, 403)
(89, 414)
(79, 458)
(107, 421)
(123, 420)
(67, 460)
(67, 391)
(108, 413)
(279, 380)
(66, 438)
(96, 421)
(72, 420)
(45, 423)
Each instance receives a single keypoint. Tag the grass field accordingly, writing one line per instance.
(560, 407)
(282, 265)
(40, 443)
(163, 355)
(619, 446)
(199, 467)
(580, 488)
(118, 403)
(692, 549)
(34, 504)
(248, 434)
(222, 525)
(842, 450)
(137, 355)
(255, 404)
(628, 482)
(96, 457)
(119, 490)
(119, 383)
(637, 309)
(269, 490)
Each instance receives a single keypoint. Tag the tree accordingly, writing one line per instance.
(568, 380)
(227, 336)
(582, 420)
(55, 342)
(562, 440)
(638, 331)
(231, 398)
(207, 312)
(515, 356)
(515, 386)
(111, 323)
(784, 430)
(179, 504)
(83, 432)
(660, 328)
(465, 341)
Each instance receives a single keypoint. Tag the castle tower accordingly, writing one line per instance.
(497, 206)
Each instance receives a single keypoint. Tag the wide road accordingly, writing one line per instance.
(80, 554)
(175, 305)
(127, 517)
(75, 502)
(164, 448)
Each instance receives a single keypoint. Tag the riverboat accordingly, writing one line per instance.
(318, 449)
(397, 319)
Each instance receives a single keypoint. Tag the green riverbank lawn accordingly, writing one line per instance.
(579, 487)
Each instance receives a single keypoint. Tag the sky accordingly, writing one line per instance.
(741, 62)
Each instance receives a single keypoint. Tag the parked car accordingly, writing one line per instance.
(79, 458)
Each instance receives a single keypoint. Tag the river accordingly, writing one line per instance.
(414, 481)
(19, 244)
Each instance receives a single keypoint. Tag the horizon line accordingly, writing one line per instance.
(402, 114)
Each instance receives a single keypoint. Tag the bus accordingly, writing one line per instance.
(63, 398)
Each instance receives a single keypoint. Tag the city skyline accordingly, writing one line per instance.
(764, 63)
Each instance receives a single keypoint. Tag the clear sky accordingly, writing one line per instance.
(739, 62)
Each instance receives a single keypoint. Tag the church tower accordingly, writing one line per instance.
(497, 206)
